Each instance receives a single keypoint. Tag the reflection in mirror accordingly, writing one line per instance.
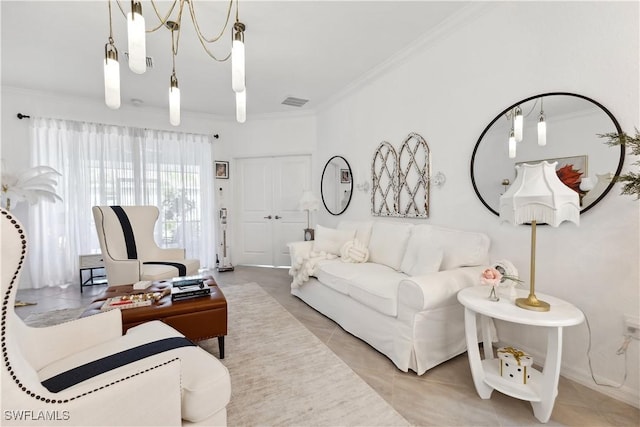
(336, 185)
(568, 134)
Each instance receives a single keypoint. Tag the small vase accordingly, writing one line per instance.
(512, 293)
(493, 296)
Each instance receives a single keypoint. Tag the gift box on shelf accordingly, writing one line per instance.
(515, 365)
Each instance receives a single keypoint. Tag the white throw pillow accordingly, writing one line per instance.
(331, 240)
(461, 248)
(389, 242)
(363, 229)
(354, 251)
(422, 255)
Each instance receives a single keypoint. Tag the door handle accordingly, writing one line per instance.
(267, 217)
(278, 217)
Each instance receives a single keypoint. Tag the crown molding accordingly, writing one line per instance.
(447, 27)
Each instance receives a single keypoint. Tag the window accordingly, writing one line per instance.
(115, 165)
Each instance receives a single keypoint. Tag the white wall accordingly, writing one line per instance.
(449, 89)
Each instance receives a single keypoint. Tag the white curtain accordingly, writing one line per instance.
(115, 165)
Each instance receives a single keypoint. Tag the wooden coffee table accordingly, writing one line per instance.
(198, 318)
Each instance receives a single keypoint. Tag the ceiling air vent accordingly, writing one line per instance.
(149, 60)
(295, 102)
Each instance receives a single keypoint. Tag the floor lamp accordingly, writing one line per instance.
(538, 196)
(309, 202)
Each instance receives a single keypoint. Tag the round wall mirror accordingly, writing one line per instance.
(568, 135)
(336, 186)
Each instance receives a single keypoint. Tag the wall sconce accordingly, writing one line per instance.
(363, 186)
(438, 179)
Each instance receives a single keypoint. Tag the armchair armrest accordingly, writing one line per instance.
(166, 254)
(149, 396)
(437, 289)
(122, 272)
(299, 250)
(42, 346)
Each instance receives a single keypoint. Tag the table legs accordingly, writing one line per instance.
(551, 374)
(475, 363)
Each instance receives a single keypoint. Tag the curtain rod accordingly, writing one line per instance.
(24, 116)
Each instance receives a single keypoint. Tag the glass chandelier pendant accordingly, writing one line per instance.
(518, 123)
(237, 58)
(542, 127)
(512, 145)
(241, 106)
(111, 76)
(174, 101)
(137, 43)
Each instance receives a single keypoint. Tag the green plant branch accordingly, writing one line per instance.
(630, 180)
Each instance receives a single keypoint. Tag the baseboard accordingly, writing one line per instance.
(625, 394)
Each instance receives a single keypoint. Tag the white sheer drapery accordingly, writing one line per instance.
(115, 165)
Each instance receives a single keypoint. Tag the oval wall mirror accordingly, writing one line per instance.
(336, 186)
(573, 122)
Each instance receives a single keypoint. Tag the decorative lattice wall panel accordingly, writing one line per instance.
(401, 181)
(413, 193)
(384, 170)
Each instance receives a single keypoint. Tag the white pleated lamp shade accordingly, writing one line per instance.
(538, 195)
(308, 201)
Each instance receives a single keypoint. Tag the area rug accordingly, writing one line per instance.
(282, 374)
(54, 317)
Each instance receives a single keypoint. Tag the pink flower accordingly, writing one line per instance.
(490, 276)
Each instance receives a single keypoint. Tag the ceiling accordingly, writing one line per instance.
(305, 49)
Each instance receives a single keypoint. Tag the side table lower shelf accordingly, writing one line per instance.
(529, 391)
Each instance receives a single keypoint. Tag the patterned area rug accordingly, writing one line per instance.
(54, 317)
(281, 374)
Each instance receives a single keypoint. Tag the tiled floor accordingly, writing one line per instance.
(444, 396)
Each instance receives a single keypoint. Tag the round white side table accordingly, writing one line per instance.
(542, 388)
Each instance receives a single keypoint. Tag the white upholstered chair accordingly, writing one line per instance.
(184, 385)
(129, 250)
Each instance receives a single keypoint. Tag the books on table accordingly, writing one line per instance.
(189, 287)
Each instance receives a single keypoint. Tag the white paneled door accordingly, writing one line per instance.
(268, 192)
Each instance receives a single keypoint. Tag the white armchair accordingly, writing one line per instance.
(184, 385)
(129, 250)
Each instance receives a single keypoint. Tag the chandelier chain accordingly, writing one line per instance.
(110, 25)
(201, 37)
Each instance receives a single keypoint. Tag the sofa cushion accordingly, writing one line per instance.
(389, 242)
(376, 286)
(362, 228)
(460, 248)
(331, 240)
(422, 256)
(336, 274)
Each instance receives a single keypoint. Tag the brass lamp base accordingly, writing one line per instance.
(533, 303)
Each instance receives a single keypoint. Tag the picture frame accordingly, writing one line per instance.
(221, 169)
(345, 176)
(571, 169)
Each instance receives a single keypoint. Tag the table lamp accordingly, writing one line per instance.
(538, 196)
(309, 202)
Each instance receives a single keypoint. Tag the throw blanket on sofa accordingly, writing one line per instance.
(304, 267)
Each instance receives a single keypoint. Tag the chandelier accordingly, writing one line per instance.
(517, 127)
(137, 55)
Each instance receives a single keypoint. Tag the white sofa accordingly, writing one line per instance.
(402, 301)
